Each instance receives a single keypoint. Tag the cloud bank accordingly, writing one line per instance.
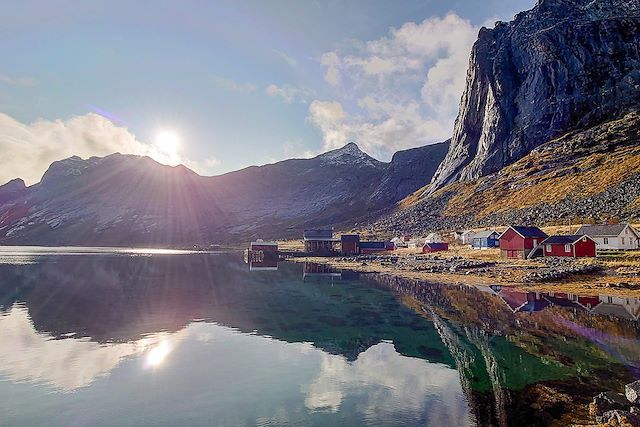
(399, 91)
(28, 149)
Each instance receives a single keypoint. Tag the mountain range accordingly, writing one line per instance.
(547, 132)
(127, 200)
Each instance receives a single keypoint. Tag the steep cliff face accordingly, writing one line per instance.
(562, 66)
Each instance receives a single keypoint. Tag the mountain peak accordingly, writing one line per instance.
(349, 154)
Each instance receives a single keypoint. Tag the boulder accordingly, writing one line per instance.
(632, 391)
(607, 401)
(619, 418)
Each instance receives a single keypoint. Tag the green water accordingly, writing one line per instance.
(103, 337)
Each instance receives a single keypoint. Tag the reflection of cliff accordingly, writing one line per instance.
(121, 299)
(525, 359)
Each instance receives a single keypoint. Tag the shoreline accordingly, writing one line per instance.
(575, 277)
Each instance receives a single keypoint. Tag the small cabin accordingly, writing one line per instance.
(373, 247)
(435, 247)
(261, 251)
(486, 239)
(520, 241)
(574, 246)
(612, 236)
(320, 241)
(350, 244)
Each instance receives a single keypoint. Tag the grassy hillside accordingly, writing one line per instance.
(585, 176)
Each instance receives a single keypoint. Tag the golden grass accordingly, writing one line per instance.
(547, 175)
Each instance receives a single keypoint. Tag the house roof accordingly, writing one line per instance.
(318, 234)
(486, 233)
(438, 245)
(602, 229)
(350, 237)
(526, 231)
(564, 239)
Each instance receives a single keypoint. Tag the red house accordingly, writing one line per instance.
(575, 246)
(434, 247)
(518, 241)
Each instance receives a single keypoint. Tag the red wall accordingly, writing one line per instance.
(511, 240)
(581, 249)
(587, 248)
(557, 250)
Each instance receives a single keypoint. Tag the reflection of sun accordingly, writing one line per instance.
(167, 142)
(157, 354)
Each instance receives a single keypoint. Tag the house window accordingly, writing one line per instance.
(623, 240)
(548, 248)
(606, 240)
(567, 248)
(535, 242)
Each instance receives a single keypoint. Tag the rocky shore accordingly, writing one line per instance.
(548, 274)
(618, 409)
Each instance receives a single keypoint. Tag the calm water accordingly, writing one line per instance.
(97, 337)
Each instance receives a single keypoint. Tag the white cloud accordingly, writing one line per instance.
(17, 81)
(28, 149)
(287, 92)
(407, 86)
(234, 86)
(286, 58)
(332, 62)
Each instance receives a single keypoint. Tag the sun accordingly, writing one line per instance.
(167, 142)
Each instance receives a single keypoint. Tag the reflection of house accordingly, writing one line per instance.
(575, 246)
(624, 308)
(269, 264)
(486, 239)
(320, 241)
(523, 301)
(350, 244)
(518, 241)
(612, 236)
(319, 270)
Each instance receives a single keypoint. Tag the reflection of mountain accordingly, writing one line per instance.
(526, 358)
(119, 299)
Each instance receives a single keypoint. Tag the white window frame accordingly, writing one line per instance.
(548, 247)
(567, 248)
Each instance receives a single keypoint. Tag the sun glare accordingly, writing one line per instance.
(167, 142)
(157, 354)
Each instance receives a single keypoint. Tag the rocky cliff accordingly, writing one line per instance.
(563, 65)
(128, 200)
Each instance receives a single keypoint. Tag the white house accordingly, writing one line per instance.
(612, 236)
(434, 238)
(467, 237)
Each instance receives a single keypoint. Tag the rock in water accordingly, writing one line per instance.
(632, 391)
(564, 65)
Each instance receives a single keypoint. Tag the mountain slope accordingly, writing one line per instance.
(127, 200)
(564, 65)
(586, 175)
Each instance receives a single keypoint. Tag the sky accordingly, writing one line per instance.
(220, 85)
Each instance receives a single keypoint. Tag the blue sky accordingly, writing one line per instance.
(239, 83)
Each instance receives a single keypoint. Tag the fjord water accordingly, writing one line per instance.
(135, 337)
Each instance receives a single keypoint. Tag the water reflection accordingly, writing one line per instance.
(147, 340)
